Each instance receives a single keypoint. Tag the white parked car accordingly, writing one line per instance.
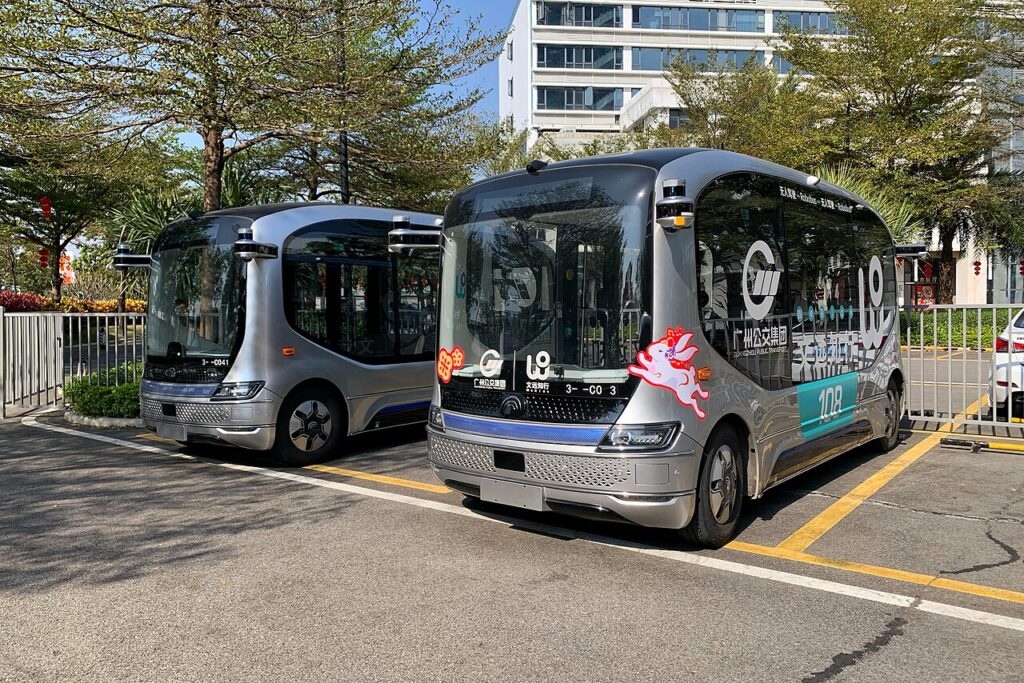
(1007, 380)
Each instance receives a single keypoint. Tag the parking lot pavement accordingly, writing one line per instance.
(125, 558)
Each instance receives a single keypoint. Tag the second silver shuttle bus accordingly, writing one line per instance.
(652, 337)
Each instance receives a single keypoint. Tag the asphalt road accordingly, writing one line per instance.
(130, 560)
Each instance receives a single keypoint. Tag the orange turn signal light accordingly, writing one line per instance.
(288, 351)
(704, 374)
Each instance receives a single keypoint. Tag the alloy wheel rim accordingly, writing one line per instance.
(892, 414)
(724, 484)
(310, 425)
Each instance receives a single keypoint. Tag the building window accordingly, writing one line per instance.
(579, 98)
(508, 51)
(781, 65)
(685, 19)
(662, 59)
(510, 87)
(809, 22)
(579, 14)
(579, 57)
(677, 118)
(633, 92)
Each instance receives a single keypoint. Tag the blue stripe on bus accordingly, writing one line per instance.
(526, 431)
(174, 389)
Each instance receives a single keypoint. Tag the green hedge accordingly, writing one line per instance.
(110, 393)
(938, 328)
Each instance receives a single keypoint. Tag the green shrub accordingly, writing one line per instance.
(110, 393)
(946, 328)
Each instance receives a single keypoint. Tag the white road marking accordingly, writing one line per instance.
(834, 587)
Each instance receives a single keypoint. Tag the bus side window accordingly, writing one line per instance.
(738, 232)
(417, 304)
(822, 291)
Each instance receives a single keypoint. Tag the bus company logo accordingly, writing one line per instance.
(766, 282)
(512, 405)
(666, 364)
(490, 363)
(448, 362)
(875, 321)
(538, 370)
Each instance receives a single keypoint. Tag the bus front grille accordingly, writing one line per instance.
(186, 413)
(574, 470)
(539, 408)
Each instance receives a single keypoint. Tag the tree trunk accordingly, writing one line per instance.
(13, 258)
(213, 166)
(947, 267)
(56, 283)
(343, 160)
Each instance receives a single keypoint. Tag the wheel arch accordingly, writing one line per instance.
(314, 383)
(738, 425)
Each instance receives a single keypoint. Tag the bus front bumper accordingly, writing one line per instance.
(643, 490)
(245, 424)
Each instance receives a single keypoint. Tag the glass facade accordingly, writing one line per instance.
(579, 98)
(578, 57)
(697, 19)
(809, 22)
(662, 58)
(579, 14)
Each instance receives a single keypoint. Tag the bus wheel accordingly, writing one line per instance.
(309, 427)
(720, 492)
(893, 415)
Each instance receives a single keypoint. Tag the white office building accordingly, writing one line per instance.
(572, 69)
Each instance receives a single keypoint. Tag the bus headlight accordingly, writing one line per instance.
(639, 437)
(435, 417)
(236, 391)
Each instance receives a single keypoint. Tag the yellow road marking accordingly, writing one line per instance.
(381, 478)
(883, 572)
(153, 437)
(803, 537)
(951, 354)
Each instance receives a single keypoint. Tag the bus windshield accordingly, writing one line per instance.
(196, 290)
(545, 281)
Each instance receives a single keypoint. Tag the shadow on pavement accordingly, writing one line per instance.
(92, 515)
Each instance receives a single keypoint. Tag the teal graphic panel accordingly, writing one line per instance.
(827, 404)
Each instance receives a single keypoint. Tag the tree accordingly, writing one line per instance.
(240, 74)
(907, 99)
(748, 109)
(82, 182)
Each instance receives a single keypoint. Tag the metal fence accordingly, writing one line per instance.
(41, 352)
(964, 364)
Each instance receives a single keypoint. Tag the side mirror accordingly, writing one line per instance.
(125, 259)
(247, 249)
(405, 239)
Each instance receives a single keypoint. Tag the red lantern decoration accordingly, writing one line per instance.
(927, 271)
(47, 204)
(977, 267)
(44, 258)
(1021, 269)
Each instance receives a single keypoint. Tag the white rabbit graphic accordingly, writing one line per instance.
(666, 363)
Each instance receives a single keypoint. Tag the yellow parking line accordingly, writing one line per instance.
(381, 479)
(883, 572)
(950, 355)
(803, 537)
(153, 437)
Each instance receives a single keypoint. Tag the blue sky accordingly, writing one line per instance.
(495, 15)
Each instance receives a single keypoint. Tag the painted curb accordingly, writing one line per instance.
(74, 418)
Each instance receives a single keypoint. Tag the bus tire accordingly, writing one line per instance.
(893, 414)
(720, 491)
(310, 426)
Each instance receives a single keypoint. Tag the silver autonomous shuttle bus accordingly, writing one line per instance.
(286, 327)
(651, 337)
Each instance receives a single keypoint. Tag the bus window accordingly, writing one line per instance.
(739, 236)
(822, 290)
(879, 296)
(417, 305)
(338, 289)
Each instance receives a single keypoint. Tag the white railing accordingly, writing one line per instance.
(41, 351)
(963, 365)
